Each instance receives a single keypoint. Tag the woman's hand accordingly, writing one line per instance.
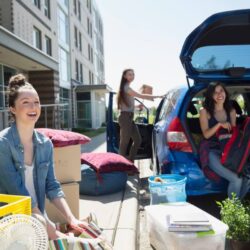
(226, 125)
(53, 233)
(79, 223)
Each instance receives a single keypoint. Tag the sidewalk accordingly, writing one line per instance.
(97, 144)
(116, 213)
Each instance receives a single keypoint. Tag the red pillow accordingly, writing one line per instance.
(62, 138)
(108, 162)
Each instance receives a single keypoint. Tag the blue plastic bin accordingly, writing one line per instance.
(171, 190)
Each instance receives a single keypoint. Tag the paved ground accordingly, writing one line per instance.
(97, 144)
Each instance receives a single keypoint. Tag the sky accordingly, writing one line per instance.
(147, 35)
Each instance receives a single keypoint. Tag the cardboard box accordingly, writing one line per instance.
(71, 191)
(146, 89)
(67, 162)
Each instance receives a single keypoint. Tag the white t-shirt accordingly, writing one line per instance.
(130, 101)
(29, 181)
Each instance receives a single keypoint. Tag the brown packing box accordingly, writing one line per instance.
(67, 162)
(146, 89)
(71, 191)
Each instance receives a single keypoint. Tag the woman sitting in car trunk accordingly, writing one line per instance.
(217, 113)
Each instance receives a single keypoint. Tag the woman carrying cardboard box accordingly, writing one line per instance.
(26, 166)
(128, 128)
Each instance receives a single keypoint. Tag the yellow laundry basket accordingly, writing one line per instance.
(16, 205)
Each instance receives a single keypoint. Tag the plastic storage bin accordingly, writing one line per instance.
(162, 239)
(171, 190)
(15, 205)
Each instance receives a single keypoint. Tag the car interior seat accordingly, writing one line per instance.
(239, 114)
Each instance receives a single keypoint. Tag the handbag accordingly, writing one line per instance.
(81, 238)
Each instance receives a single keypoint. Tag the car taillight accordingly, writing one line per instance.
(176, 137)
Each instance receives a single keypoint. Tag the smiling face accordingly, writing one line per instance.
(27, 107)
(129, 76)
(219, 94)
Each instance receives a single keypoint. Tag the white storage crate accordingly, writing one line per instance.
(162, 239)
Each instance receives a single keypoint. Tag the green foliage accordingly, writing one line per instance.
(237, 216)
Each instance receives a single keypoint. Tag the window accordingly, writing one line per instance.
(169, 104)
(89, 52)
(48, 47)
(47, 8)
(75, 7)
(91, 30)
(79, 10)
(63, 65)
(92, 55)
(81, 73)
(63, 28)
(89, 5)
(37, 3)
(80, 41)
(220, 57)
(37, 38)
(76, 38)
(90, 76)
(88, 25)
(77, 70)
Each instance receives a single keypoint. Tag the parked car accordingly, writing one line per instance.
(218, 49)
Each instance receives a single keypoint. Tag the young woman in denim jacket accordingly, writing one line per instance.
(26, 166)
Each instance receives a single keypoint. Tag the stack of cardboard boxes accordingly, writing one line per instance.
(67, 163)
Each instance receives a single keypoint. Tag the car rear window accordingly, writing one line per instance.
(169, 104)
(211, 58)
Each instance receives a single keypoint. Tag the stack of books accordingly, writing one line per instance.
(187, 222)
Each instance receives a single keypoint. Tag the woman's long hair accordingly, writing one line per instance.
(121, 97)
(209, 103)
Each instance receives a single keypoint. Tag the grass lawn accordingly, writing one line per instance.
(90, 132)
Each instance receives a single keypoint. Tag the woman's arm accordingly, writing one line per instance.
(134, 93)
(51, 229)
(62, 205)
(233, 117)
(56, 195)
(206, 131)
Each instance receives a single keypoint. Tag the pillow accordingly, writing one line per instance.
(105, 183)
(108, 162)
(62, 138)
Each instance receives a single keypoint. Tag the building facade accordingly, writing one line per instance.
(88, 88)
(52, 43)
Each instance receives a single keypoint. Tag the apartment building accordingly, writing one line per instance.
(58, 45)
(28, 44)
(87, 80)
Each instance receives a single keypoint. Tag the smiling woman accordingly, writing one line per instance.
(26, 166)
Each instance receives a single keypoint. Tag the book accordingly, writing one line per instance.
(189, 228)
(185, 222)
(189, 219)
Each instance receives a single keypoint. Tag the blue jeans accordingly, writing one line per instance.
(237, 185)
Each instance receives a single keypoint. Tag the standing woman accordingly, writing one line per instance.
(26, 165)
(128, 128)
(217, 113)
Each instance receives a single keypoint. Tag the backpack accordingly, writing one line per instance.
(235, 148)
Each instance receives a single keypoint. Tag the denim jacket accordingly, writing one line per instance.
(12, 177)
